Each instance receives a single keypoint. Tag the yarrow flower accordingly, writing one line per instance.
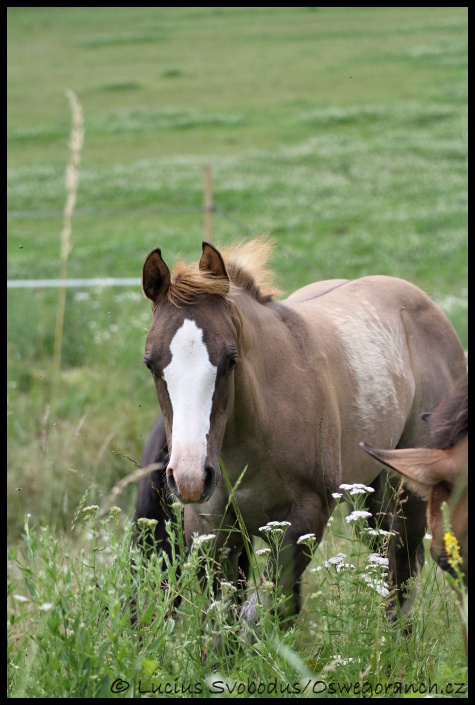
(273, 524)
(453, 550)
(376, 559)
(307, 538)
(198, 540)
(262, 551)
(342, 566)
(335, 560)
(356, 488)
(20, 598)
(357, 514)
(379, 585)
(45, 607)
(274, 527)
(378, 532)
(338, 562)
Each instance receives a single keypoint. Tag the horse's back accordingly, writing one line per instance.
(316, 289)
(374, 303)
(398, 344)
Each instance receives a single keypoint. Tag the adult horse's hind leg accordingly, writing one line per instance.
(395, 508)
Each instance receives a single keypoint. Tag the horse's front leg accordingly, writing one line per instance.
(223, 559)
(229, 555)
(227, 568)
(292, 544)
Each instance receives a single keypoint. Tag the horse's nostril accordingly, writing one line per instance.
(171, 482)
(444, 564)
(208, 482)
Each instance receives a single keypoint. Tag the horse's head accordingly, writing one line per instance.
(438, 475)
(191, 351)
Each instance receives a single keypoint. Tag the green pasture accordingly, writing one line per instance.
(340, 132)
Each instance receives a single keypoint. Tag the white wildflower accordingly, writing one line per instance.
(378, 585)
(307, 538)
(379, 532)
(272, 528)
(274, 525)
(376, 559)
(341, 566)
(20, 598)
(45, 607)
(356, 488)
(357, 514)
(335, 560)
(198, 540)
(262, 551)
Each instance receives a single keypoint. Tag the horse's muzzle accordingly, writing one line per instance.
(443, 563)
(189, 490)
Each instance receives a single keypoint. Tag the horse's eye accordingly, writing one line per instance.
(232, 362)
(148, 366)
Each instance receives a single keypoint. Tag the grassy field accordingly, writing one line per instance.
(341, 132)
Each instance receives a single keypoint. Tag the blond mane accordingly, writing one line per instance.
(246, 264)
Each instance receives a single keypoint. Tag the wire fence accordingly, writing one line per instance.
(207, 210)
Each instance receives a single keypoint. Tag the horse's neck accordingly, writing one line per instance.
(268, 343)
(261, 329)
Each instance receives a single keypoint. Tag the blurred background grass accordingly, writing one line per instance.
(341, 132)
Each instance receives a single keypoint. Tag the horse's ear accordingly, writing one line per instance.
(427, 466)
(212, 262)
(155, 276)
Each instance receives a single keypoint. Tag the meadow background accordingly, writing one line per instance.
(340, 132)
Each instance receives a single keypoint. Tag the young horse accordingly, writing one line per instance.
(281, 391)
(439, 473)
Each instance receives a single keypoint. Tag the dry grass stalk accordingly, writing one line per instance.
(72, 177)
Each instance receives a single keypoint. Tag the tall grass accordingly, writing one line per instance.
(70, 635)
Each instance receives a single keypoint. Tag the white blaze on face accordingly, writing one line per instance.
(190, 378)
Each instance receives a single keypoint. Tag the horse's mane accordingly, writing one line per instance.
(449, 421)
(246, 264)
